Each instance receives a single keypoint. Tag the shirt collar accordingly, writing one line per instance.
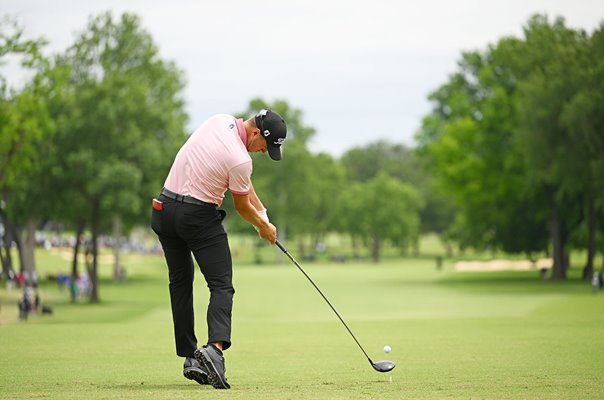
(241, 131)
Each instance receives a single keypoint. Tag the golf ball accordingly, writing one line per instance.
(387, 349)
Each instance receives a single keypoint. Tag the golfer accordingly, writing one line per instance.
(186, 220)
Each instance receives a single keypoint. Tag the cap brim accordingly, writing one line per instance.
(274, 152)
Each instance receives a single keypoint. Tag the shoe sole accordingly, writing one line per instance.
(196, 375)
(213, 376)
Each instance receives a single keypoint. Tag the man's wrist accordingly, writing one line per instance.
(264, 222)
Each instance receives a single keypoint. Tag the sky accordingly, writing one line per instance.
(360, 71)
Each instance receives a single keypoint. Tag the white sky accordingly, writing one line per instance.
(359, 70)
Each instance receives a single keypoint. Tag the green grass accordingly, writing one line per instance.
(504, 335)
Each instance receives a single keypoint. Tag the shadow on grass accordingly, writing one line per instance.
(145, 386)
(511, 281)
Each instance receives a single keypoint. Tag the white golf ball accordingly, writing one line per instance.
(387, 349)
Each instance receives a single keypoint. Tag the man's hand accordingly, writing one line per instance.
(268, 232)
(259, 219)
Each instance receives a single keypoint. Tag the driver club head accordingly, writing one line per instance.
(383, 366)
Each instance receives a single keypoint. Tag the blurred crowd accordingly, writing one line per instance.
(29, 301)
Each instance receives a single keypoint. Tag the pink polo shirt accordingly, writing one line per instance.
(212, 160)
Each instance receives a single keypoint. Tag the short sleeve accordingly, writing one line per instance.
(239, 178)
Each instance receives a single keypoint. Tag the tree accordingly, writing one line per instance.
(383, 208)
(326, 181)
(124, 127)
(24, 127)
(468, 143)
(501, 140)
(407, 165)
(554, 56)
(583, 118)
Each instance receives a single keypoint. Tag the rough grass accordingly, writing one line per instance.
(500, 335)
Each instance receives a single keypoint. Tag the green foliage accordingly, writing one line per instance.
(508, 137)
(382, 208)
(93, 134)
(406, 165)
(554, 57)
(296, 129)
(126, 122)
(24, 120)
(396, 160)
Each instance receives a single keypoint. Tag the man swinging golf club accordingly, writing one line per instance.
(186, 220)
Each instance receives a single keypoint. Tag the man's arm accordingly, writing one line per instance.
(255, 200)
(244, 204)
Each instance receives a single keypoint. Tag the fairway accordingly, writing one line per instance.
(497, 335)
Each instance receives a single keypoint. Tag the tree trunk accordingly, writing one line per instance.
(258, 251)
(416, 249)
(74, 263)
(591, 241)
(375, 249)
(94, 276)
(355, 248)
(76, 249)
(558, 243)
(5, 260)
(118, 270)
(5, 254)
(17, 238)
(301, 248)
(27, 252)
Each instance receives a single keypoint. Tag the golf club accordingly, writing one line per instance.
(380, 366)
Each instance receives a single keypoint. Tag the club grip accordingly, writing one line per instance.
(279, 245)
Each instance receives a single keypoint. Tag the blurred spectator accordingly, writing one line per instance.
(596, 282)
(62, 280)
(10, 280)
(74, 289)
(26, 303)
(20, 279)
(84, 284)
(36, 303)
(30, 303)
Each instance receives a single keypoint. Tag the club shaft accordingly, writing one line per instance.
(284, 250)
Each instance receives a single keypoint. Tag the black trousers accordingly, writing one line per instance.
(183, 229)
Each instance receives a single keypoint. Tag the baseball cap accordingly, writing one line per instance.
(273, 129)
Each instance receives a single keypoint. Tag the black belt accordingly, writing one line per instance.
(185, 199)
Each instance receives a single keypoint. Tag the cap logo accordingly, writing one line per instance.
(266, 133)
(280, 141)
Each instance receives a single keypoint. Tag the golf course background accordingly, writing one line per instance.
(491, 335)
(506, 162)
